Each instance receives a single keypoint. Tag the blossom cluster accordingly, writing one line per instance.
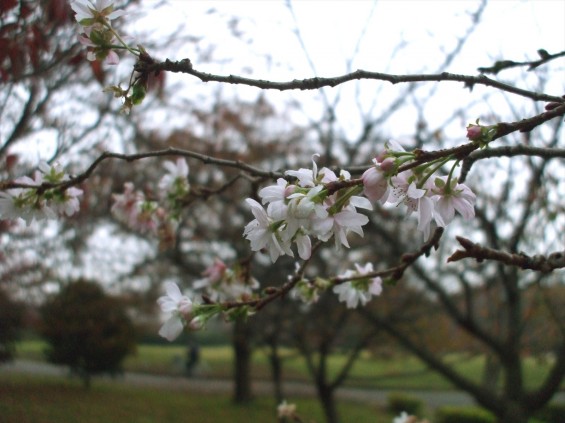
(145, 215)
(36, 201)
(303, 209)
(297, 211)
(98, 34)
(432, 198)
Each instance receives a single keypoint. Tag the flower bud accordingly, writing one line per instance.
(474, 132)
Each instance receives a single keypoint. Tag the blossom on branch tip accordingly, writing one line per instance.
(483, 134)
(179, 307)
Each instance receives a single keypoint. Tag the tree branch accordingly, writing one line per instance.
(509, 151)
(500, 65)
(538, 263)
(148, 65)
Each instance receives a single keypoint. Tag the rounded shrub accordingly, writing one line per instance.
(397, 402)
(453, 414)
(87, 330)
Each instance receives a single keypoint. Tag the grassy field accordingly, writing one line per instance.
(368, 372)
(31, 399)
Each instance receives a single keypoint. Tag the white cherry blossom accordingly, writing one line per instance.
(176, 177)
(180, 308)
(263, 233)
(359, 291)
(458, 197)
(89, 13)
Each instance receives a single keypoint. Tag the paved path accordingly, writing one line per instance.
(378, 397)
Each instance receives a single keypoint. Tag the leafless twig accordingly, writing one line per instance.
(544, 264)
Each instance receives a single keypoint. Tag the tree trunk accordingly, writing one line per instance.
(491, 372)
(326, 395)
(276, 372)
(514, 413)
(242, 362)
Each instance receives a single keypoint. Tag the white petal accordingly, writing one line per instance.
(361, 202)
(171, 329)
(173, 291)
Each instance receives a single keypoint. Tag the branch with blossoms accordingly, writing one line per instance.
(353, 287)
(540, 263)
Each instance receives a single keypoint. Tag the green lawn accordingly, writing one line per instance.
(400, 373)
(31, 399)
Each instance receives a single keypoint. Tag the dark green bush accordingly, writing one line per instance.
(399, 402)
(452, 414)
(552, 413)
(87, 330)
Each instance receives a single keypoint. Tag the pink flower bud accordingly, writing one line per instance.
(381, 157)
(375, 185)
(387, 164)
(474, 132)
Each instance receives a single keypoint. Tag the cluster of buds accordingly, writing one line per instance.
(303, 209)
(37, 201)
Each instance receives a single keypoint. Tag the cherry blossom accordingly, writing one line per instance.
(453, 197)
(262, 232)
(31, 204)
(180, 308)
(175, 180)
(358, 290)
(416, 199)
(89, 14)
(99, 36)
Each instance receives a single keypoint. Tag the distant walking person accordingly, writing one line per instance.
(192, 358)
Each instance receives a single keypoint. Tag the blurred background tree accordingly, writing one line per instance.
(87, 330)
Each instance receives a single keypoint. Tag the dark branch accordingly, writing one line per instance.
(532, 64)
(544, 264)
(185, 66)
